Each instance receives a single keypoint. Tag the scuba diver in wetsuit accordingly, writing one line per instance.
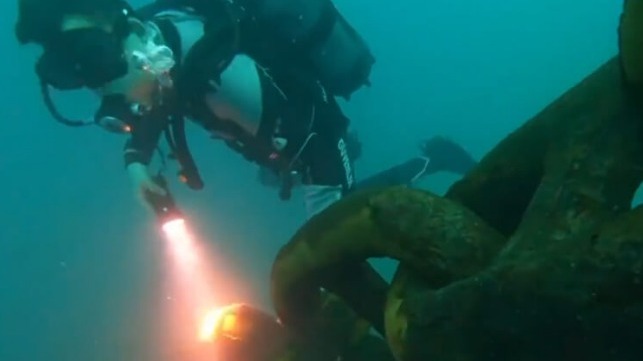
(259, 76)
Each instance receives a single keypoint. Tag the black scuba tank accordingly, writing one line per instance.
(316, 35)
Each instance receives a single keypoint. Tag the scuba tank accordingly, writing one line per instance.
(315, 35)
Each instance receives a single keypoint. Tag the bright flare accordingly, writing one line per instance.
(221, 322)
(209, 325)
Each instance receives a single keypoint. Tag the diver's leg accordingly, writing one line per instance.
(439, 154)
(401, 174)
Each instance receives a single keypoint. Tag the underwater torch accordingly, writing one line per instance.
(164, 206)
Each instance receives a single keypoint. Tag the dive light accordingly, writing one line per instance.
(164, 205)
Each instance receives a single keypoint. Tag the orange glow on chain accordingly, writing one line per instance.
(219, 322)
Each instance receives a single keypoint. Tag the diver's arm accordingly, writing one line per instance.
(144, 139)
(138, 153)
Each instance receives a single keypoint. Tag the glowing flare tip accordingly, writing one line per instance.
(221, 322)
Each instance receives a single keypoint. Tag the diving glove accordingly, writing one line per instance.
(143, 184)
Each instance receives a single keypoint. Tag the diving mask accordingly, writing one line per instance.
(130, 62)
(149, 66)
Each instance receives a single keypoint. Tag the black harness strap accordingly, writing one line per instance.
(175, 132)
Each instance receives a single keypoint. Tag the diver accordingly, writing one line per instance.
(253, 74)
(437, 154)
